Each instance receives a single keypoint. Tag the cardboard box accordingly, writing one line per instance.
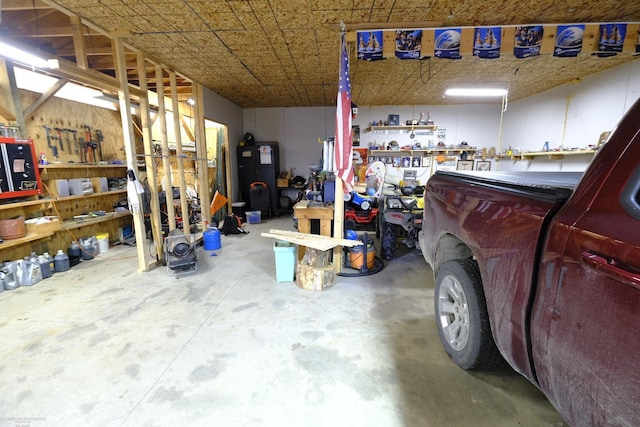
(100, 184)
(283, 179)
(43, 225)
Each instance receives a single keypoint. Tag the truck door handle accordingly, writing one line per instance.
(613, 268)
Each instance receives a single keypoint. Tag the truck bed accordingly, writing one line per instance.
(548, 186)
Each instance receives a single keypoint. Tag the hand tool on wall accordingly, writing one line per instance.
(76, 146)
(59, 130)
(54, 149)
(100, 138)
(82, 147)
(90, 150)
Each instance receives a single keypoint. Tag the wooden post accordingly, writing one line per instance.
(152, 169)
(130, 148)
(166, 164)
(338, 223)
(8, 80)
(201, 152)
(178, 138)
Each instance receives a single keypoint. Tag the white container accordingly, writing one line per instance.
(253, 217)
(103, 242)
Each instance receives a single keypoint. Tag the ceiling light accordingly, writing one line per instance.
(475, 92)
(191, 102)
(25, 58)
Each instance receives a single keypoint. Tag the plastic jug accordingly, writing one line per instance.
(61, 261)
(45, 267)
(52, 264)
(10, 270)
(89, 247)
(211, 238)
(30, 271)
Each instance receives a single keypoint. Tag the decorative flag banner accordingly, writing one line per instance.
(343, 144)
(612, 37)
(487, 42)
(370, 45)
(528, 41)
(447, 43)
(408, 44)
(569, 40)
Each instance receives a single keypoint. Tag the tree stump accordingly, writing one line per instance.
(314, 272)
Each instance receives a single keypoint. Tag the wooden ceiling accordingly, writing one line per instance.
(284, 53)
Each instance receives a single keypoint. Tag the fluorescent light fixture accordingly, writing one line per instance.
(26, 58)
(40, 83)
(475, 92)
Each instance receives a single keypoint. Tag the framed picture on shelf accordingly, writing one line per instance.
(464, 165)
(416, 162)
(483, 165)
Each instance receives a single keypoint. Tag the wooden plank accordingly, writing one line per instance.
(130, 148)
(8, 115)
(186, 128)
(35, 105)
(8, 80)
(78, 42)
(204, 190)
(184, 207)
(151, 166)
(314, 241)
(342, 242)
(166, 163)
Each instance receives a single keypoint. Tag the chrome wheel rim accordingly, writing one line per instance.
(453, 312)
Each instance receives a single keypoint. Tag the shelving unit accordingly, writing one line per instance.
(67, 208)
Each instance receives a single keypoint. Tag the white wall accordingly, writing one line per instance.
(223, 111)
(296, 130)
(572, 115)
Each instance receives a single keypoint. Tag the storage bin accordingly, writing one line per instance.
(286, 257)
(253, 217)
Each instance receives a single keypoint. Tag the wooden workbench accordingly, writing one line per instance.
(305, 213)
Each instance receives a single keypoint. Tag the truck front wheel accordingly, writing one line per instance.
(461, 314)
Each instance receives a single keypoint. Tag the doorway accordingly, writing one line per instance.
(219, 173)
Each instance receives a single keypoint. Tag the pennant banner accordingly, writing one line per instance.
(447, 44)
(569, 40)
(370, 45)
(612, 37)
(408, 44)
(487, 42)
(528, 41)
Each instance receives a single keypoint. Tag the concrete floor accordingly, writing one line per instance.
(104, 345)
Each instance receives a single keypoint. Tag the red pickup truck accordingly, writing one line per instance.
(542, 270)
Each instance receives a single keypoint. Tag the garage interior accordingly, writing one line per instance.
(123, 340)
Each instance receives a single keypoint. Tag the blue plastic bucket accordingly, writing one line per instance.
(211, 239)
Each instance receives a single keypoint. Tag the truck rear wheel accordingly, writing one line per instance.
(461, 314)
(388, 239)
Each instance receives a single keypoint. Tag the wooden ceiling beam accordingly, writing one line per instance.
(16, 5)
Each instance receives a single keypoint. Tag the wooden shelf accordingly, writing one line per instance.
(70, 166)
(26, 239)
(401, 128)
(83, 222)
(45, 202)
(397, 153)
(552, 155)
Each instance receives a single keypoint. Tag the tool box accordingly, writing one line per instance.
(260, 198)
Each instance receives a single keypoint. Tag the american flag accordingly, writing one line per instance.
(343, 144)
